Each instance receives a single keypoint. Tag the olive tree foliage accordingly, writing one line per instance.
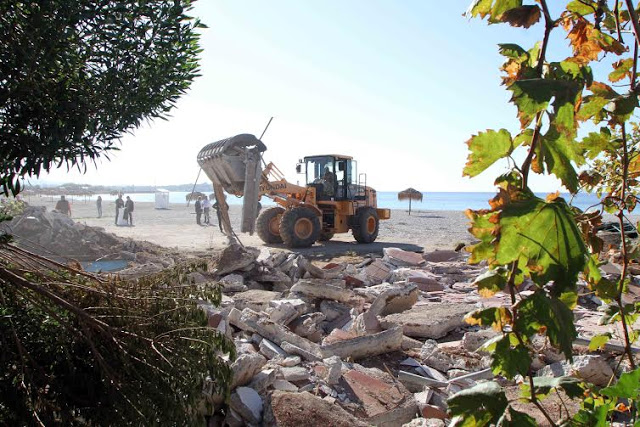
(76, 75)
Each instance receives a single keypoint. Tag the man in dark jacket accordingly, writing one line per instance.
(198, 210)
(63, 206)
(128, 211)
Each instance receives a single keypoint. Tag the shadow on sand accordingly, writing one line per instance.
(324, 251)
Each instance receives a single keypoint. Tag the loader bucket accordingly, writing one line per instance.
(235, 165)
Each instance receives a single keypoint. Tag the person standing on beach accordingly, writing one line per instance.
(198, 210)
(119, 205)
(128, 209)
(206, 207)
(63, 206)
(99, 206)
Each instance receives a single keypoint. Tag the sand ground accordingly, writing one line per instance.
(176, 228)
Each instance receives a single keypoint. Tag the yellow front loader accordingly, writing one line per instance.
(334, 200)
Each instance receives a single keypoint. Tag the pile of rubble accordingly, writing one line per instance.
(356, 344)
(53, 234)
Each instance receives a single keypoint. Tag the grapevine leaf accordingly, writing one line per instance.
(483, 227)
(496, 317)
(544, 233)
(623, 107)
(509, 358)
(621, 69)
(523, 16)
(628, 386)
(582, 7)
(539, 313)
(518, 419)
(570, 385)
(531, 96)
(490, 282)
(491, 8)
(588, 42)
(557, 152)
(598, 341)
(596, 143)
(594, 417)
(480, 405)
(486, 148)
(513, 51)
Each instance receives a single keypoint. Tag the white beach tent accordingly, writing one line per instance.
(162, 198)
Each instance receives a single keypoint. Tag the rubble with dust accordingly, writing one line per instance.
(381, 343)
(55, 235)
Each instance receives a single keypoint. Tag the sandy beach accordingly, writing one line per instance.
(176, 228)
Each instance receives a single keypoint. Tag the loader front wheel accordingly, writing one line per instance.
(268, 224)
(300, 227)
(366, 225)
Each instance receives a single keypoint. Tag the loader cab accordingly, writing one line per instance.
(333, 176)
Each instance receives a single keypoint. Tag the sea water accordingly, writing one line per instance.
(431, 201)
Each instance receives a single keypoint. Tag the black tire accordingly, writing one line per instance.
(300, 227)
(268, 224)
(365, 225)
(325, 236)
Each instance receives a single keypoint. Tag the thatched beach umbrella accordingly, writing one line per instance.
(194, 196)
(411, 194)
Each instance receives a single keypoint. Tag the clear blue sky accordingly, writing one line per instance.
(400, 86)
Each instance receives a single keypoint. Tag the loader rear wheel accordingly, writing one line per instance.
(268, 224)
(300, 227)
(366, 225)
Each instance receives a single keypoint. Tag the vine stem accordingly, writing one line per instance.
(625, 258)
(514, 310)
(549, 24)
(634, 20)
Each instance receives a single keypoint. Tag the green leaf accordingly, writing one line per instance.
(582, 7)
(518, 419)
(571, 385)
(531, 96)
(558, 152)
(598, 341)
(481, 405)
(485, 149)
(621, 69)
(541, 314)
(510, 357)
(596, 143)
(490, 282)
(523, 16)
(496, 317)
(547, 236)
(513, 51)
(628, 386)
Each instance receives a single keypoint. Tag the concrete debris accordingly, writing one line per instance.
(429, 320)
(297, 409)
(247, 403)
(300, 328)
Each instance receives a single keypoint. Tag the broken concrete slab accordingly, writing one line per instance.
(366, 346)
(429, 320)
(334, 369)
(384, 401)
(298, 409)
(284, 385)
(271, 350)
(263, 380)
(233, 283)
(417, 383)
(248, 403)
(402, 258)
(256, 300)
(325, 291)
(245, 367)
(394, 300)
(333, 309)
(235, 258)
(473, 340)
(295, 373)
(279, 334)
(593, 369)
(377, 272)
(442, 256)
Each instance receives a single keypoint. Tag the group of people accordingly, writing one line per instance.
(128, 209)
(203, 206)
(64, 207)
